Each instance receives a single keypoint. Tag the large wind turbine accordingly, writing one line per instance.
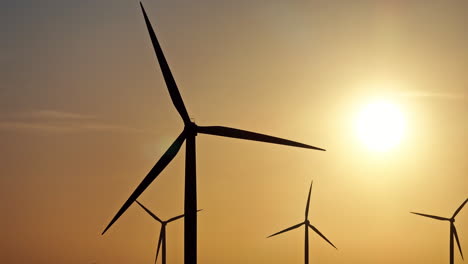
(162, 233)
(453, 230)
(189, 133)
(306, 224)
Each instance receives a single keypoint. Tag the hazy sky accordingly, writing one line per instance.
(84, 115)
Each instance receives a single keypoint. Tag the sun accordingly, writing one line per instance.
(380, 125)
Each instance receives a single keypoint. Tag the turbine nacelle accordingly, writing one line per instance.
(191, 128)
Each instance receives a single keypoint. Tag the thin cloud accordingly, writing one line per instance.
(65, 127)
(52, 114)
(60, 122)
(424, 94)
(21, 125)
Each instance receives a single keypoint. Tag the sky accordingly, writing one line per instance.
(85, 114)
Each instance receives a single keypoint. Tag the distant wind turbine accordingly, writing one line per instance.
(162, 233)
(189, 133)
(453, 230)
(306, 224)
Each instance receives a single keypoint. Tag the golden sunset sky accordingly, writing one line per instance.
(85, 114)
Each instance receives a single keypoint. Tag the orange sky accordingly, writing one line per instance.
(84, 115)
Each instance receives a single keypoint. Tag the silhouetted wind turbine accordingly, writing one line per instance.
(453, 230)
(306, 224)
(162, 233)
(189, 133)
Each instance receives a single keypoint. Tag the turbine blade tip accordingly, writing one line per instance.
(316, 148)
(105, 230)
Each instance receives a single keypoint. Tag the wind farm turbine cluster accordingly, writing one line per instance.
(188, 134)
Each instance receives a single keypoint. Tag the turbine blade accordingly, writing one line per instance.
(178, 217)
(161, 236)
(308, 201)
(149, 212)
(166, 71)
(432, 216)
(243, 134)
(458, 241)
(320, 234)
(287, 229)
(459, 208)
(175, 218)
(154, 172)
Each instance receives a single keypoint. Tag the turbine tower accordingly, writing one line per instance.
(453, 230)
(162, 233)
(189, 133)
(307, 225)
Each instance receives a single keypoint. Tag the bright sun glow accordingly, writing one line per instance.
(380, 125)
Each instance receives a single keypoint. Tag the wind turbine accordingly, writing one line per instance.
(453, 230)
(162, 233)
(189, 133)
(306, 224)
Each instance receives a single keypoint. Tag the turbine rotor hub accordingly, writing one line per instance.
(191, 128)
